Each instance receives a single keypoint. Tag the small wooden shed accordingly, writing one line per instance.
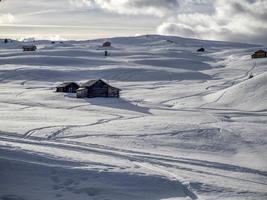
(97, 88)
(106, 44)
(68, 87)
(201, 50)
(29, 48)
(259, 54)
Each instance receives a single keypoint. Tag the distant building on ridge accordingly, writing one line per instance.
(29, 48)
(259, 54)
(201, 50)
(106, 44)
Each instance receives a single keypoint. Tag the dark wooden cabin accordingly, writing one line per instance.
(106, 44)
(68, 87)
(201, 50)
(29, 48)
(259, 54)
(97, 88)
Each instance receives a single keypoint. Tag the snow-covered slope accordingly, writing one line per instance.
(188, 125)
(250, 94)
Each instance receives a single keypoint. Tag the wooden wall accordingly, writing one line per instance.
(113, 92)
(82, 93)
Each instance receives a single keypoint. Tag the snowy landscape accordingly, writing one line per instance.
(188, 125)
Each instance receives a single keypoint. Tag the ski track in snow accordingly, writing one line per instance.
(136, 156)
(64, 128)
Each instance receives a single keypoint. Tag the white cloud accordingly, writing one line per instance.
(81, 3)
(235, 20)
(169, 28)
(7, 18)
(144, 7)
(206, 19)
(34, 37)
(231, 20)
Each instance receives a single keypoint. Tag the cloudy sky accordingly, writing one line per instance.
(231, 20)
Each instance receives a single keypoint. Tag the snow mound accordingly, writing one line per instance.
(248, 95)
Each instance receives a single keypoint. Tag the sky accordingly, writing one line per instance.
(228, 20)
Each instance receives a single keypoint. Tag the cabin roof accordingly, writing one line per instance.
(89, 83)
(92, 82)
(261, 51)
(106, 42)
(81, 88)
(29, 46)
(201, 49)
(66, 84)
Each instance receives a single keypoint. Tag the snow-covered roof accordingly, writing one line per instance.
(92, 82)
(29, 46)
(261, 51)
(65, 84)
(89, 83)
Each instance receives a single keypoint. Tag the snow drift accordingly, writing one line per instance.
(250, 94)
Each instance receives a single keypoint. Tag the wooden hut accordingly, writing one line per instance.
(106, 44)
(97, 88)
(29, 48)
(67, 87)
(259, 54)
(201, 50)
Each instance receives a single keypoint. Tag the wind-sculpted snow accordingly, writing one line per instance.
(188, 125)
(248, 95)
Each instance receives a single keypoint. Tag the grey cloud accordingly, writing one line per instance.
(238, 20)
(234, 20)
(167, 4)
(146, 7)
(206, 19)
